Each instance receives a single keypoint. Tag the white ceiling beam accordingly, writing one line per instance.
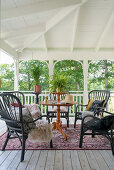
(75, 28)
(45, 44)
(37, 7)
(104, 31)
(9, 50)
(51, 23)
(24, 31)
(78, 54)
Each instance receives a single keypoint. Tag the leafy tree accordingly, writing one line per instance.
(7, 77)
(101, 75)
(73, 70)
(25, 79)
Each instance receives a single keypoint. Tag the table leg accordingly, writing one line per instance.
(58, 124)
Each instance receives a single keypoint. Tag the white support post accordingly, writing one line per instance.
(16, 74)
(51, 67)
(85, 73)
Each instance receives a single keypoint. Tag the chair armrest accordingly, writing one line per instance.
(98, 110)
(40, 118)
(10, 121)
(80, 105)
(101, 110)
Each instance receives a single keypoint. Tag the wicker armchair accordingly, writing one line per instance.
(19, 94)
(19, 124)
(33, 108)
(98, 126)
(100, 98)
(52, 110)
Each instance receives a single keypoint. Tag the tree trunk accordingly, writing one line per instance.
(29, 83)
(78, 86)
(106, 71)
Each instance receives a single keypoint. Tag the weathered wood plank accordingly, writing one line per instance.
(67, 159)
(42, 160)
(50, 160)
(107, 159)
(83, 160)
(75, 160)
(9, 159)
(23, 165)
(1, 152)
(58, 160)
(4, 156)
(101, 162)
(3, 130)
(33, 160)
(91, 159)
(110, 154)
(15, 162)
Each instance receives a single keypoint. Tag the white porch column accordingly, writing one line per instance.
(16, 74)
(51, 67)
(85, 73)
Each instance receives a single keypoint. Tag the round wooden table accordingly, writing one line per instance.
(58, 124)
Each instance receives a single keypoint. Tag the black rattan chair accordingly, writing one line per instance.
(97, 126)
(21, 97)
(17, 127)
(52, 111)
(19, 94)
(101, 96)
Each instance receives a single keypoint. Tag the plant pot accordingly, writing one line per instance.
(37, 88)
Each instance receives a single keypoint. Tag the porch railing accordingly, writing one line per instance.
(77, 95)
(30, 99)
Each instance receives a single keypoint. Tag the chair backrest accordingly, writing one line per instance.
(19, 94)
(99, 95)
(54, 96)
(10, 113)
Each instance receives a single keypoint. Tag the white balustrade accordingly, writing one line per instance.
(30, 99)
(77, 95)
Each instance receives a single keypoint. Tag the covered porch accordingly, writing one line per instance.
(75, 30)
(54, 31)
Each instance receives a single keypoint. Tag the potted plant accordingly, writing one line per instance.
(36, 73)
(58, 82)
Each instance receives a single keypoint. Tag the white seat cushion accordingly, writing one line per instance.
(85, 113)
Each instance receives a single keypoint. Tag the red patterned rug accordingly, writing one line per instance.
(72, 143)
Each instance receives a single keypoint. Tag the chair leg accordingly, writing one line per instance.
(51, 144)
(68, 122)
(23, 149)
(6, 141)
(75, 122)
(112, 143)
(81, 137)
(93, 135)
(112, 147)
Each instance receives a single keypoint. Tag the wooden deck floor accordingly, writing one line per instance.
(56, 160)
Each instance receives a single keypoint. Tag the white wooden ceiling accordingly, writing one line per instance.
(57, 24)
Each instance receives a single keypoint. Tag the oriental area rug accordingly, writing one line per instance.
(72, 142)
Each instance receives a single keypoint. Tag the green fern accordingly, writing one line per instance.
(58, 81)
